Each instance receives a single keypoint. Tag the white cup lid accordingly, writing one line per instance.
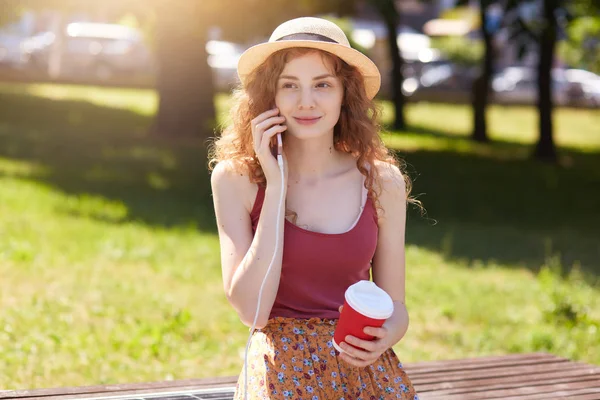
(369, 299)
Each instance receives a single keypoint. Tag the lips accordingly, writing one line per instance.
(306, 121)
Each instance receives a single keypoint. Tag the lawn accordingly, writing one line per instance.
(109, 255)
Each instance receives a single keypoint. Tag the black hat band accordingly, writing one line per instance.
(307, 36)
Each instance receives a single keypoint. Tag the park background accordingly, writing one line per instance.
(109, 260)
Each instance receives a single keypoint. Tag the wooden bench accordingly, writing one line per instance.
(510, 377)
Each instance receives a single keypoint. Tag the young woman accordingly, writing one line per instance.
(342, 220)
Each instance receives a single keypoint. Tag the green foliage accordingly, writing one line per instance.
(567, 308)
(463, 13)
(563, 306)
(580, 19)
(459, 49)
(581, 49)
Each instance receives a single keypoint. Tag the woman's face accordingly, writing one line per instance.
(309, 96)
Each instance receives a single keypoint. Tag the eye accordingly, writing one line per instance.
(327, 85)
(287, 85)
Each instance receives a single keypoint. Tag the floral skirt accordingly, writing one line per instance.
(295, 359)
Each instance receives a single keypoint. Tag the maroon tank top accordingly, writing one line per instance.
(318, 267)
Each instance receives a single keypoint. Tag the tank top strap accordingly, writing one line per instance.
(365, 194)
(365, 191)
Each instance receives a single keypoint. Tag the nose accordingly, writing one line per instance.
(306, 101)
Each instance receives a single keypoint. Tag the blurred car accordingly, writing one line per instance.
(10, 50)
(11, 53)
(518, 85)
(440, 82)
(413, 45)
(583, 88)
(93, 50)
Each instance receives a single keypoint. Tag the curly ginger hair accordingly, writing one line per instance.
(357, 131)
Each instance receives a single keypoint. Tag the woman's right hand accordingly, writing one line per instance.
(264, 129)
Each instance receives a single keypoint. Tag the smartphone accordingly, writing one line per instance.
(277, 144)
(275, 148)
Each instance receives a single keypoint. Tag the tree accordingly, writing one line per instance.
(184, 78)
(540, 28)
(481, 85)
(545, 148)
(391, 17)
(551, 17)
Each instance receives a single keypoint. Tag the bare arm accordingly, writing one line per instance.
(389, 259)
(245, 259)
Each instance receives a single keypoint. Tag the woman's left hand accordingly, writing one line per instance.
(373, 349)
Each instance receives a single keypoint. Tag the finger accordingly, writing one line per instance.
(367, 345)
(340, 308)
(267, 123)
(270, 133)
(379, 333)
(265, 147)
(255, 123)
(260, 137)
(355, 353)
(260, 118)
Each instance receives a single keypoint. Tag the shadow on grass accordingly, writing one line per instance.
(89, 149)
(516, 212)
(510, 210)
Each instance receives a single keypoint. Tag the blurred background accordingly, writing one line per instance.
(109, 258)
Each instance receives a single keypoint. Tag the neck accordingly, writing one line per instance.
(311, 160)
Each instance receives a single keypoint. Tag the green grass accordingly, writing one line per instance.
(109, 256)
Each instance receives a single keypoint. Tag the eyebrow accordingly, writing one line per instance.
(314, 79)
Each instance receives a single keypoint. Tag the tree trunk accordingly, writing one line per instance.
(184, 79)
(545, 149)
(397, 78)
(481, 85)
(391, 16)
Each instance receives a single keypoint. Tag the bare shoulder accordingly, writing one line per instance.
(391, 178)
(229, 179)
(392, 198)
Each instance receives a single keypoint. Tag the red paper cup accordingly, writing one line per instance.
(366, 305)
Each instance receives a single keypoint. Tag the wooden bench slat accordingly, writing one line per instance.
(494, 372)
(498, 360)
(524, 393)
(589, 396)
(441, 368)
(125, 388)
(562, 394)
(139, 393)
(514, 376)
(508, 382)
(507, 385)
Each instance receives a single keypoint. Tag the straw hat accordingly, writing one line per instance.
(316, 33)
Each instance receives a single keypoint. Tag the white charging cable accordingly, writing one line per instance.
(280, 162)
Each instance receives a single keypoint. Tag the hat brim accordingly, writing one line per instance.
(256, 55)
